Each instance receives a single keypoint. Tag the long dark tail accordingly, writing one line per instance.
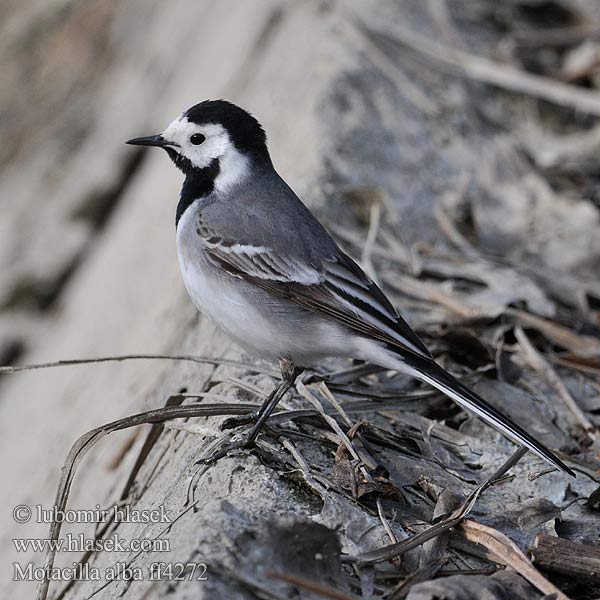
(432, 373)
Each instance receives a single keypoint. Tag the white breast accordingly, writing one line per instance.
(217, 294)
(206, 286)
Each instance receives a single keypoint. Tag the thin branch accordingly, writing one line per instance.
(453, 519)
(409, 89)
(423, 290)
(510, 554)
(304, 468)
(566, 557)
(484, 69)
(119, 358)
(433, 550)
(385, 522)
(91, 438)
(537, 362)
(367, 253)
(582, 345)
(447, 225)
(556, 36)
(306, 393)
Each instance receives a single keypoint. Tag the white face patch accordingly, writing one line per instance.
(217, 145)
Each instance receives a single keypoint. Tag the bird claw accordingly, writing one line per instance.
(243, 440)
(242, 443)
(238, 420)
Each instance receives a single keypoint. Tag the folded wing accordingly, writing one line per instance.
(336, 288)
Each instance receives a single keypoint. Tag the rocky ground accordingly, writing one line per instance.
(449, 146)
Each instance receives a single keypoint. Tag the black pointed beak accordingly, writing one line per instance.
(150, 140)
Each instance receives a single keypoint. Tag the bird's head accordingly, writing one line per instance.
(213, 130)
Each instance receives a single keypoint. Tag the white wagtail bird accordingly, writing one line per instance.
(258, 264)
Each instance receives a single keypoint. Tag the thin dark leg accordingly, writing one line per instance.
(289, 373)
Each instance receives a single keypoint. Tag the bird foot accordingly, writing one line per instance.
(241, 441)
(244, 440)
(238, 420)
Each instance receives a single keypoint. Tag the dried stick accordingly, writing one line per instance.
(510, 554)
(422, 290)
(556, 36)
(100, 359)
(451, 520)
(433, 550)
(367, 253)
(447, 225)
(582, 345)
(537, 362)
(566, 557)
(385, 522)
(91, 438)
(489, 71)
(310, 480)
(306, 393)
(411, 91)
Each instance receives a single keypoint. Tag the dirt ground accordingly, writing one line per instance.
(452, 148)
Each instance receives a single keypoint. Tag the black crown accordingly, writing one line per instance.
(244, 130)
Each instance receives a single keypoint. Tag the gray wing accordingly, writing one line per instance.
(294, 258)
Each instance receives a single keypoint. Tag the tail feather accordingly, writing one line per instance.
(432, 373)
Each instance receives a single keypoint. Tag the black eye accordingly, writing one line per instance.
(197, 139)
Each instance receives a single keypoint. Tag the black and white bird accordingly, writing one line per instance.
(258, 264)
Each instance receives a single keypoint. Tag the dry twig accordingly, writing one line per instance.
(566, 557)
(451, 520)
(510, 554)
(488, 71)
(305, 392)
(100, 359)
(537, 362)
(91, 438)
(433, 550)
(367, 253)
(582, 345)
